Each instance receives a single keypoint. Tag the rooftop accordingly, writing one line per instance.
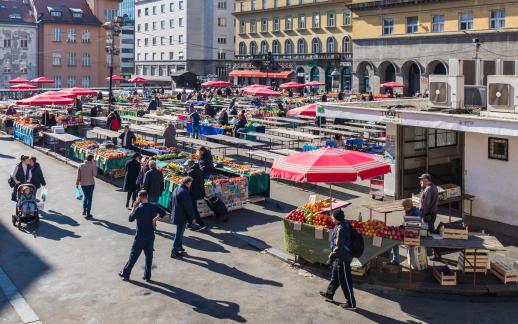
(15, 12)
(70, 12)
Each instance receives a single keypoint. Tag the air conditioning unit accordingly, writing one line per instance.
(446, 91)
(502, 93)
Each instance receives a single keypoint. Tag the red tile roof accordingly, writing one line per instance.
(44, 16)
(15, 12)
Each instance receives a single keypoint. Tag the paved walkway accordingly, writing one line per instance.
(67, 271)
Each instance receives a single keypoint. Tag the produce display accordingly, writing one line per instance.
(171, 156)
(239, 168)
(86, 144)
(110, 153)
(312, 214)
(378, 228)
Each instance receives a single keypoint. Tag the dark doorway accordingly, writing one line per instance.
(414, 79)
(440, 69)
(346, 83)
(301, 75)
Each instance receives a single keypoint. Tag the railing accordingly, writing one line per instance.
(295, 57)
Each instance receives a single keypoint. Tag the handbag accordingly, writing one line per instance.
(11, 182)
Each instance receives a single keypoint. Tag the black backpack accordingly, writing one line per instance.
(357, 245)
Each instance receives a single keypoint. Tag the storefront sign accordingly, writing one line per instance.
(391, 117)
(346, 64)
(320, 110)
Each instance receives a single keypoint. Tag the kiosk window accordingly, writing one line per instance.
(441, 138)
(498, 149)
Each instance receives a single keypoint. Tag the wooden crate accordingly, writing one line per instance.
(467, 260)
(444, 279)
(452, 233)
(361, 271)
(412, 241)
(504, 271)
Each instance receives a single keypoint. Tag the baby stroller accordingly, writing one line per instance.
(19, 218)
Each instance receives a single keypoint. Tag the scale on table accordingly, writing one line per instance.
(416, 222)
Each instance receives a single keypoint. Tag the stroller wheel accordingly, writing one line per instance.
(13, 218)
(20, 225)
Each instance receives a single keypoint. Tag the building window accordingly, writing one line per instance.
(288, 47)
(347, 17)
(56, 59)
(302, 21)
(466, 20)
(242, 27)
(412, 24)
(331, 19)
(139, 12)
(86, 59)
(71, 59)
(242, 48)
(276, 24)
(264, 25)
(264, 47)
(154, 41)
(71, 82)
(331, 45)
(346, 45)
(170, 40)
(71, 36)
(316, 20)
(171, 23)
(221, 71)
(388, 26)
(85, 81)
(222, 22)
(154, 10)
(301, 46)
(263, 5)
(171, 55)
(162, 8)
(252, 4)
(222, 40)
(222, 56)
(180, 55)
(180, 5)
(276, 3)
(498, 149)
(57, 81)
(146, 27)
(441, 138)
(497, 19)
(24, 43)
(222, 5)
(180, 39)
(315, 46)
(437, 24)
(289, 23)
(7, 43)
(146, 42)
(288, 2)
(154, 25)
(180, 22)
(56, 35)
(162, 24)
(253, 26)
(253, 48)
(55, 13)
(109, 14)
(242, 6)
(276, 47)
(171, 7)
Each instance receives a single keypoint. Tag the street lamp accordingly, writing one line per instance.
(113, 28)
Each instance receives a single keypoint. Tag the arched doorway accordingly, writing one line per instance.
(314, 74)
(301, 75)
(387, 72)
(364, 71)
(437, 67)
(346, 82)
(329, 78)
(412, 78)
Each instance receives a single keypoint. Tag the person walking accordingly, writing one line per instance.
(86, 179)
(144, 167)
(429, 201)
(170, 135)
(21, 174)
(195, 120)
(127, 138)
(113, 121)
(132, 168)
(146, 214)
(153, 182)
(181, 214)
(197, 192)
(340, 260)
(37, 179)
(206, 162)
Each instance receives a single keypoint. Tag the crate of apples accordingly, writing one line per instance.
(378, 228)
(296, 215)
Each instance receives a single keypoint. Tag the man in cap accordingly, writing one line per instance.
(429, 200)
(340, 260)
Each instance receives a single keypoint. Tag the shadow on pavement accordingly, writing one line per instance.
(241, 220)
(59, 218)
(113, 226)
(228, 271)
(195, 243)
(240, 242)
(219, 309)
(53, 232)
(378, 318)
(6, 156)
(324, 190)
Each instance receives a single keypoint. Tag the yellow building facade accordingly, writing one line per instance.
(310, 38)
(406, 41)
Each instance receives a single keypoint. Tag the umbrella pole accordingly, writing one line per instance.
(331, 197)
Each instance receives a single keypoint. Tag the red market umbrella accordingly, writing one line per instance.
(116, 78)
(314, 84)
(392, 84)
(262, 92)
(45, 99)
(137, 79)
(216, 84)
(306, 110)
(23, 86)
(60, 93)
(42, 80)
(329, 165)
(18, 80)
(292, 85)
(256, 86)
(80, 91)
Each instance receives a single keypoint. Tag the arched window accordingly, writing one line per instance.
(346, 45)
(242, 48)
(314, 74)
(331, 45)
(264, 47)
(301, 46)
(253, 48)
(315, 45)
(276, 47)
(288, 47)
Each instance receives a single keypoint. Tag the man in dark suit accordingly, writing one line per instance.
(146, 214)
(153, 182)
(181, 214)
(197, 192)
(130, 179)
(127, 138)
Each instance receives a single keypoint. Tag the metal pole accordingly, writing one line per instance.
(110, 95)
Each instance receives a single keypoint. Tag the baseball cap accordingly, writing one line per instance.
(426, 176)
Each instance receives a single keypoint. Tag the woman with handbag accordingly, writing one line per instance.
(21, 174)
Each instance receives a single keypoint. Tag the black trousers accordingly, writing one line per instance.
(138, 246)
(133, 195)
(197, 215)
(341, 276)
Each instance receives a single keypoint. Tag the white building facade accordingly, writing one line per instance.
(194, 36)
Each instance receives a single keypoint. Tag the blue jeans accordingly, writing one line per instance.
(28, 208)
(88, 192)
(178, 238)
(195, 131)
(138, 246)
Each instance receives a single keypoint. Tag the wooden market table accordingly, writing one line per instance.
(137, 120)
(65, 138)
(268, 122)
(288, 120)
(264, 156)
(104, 132)
(285, 152)
(237, 142)
(296, 134)
(192, 142)
(271, 138)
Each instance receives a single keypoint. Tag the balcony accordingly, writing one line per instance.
(296, 57)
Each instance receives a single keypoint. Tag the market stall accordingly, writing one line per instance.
(110, 159)
(26, 131)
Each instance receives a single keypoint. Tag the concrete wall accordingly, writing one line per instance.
(493, 182)
(16, 57)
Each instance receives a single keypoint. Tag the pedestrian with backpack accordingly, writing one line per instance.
(340, 260)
